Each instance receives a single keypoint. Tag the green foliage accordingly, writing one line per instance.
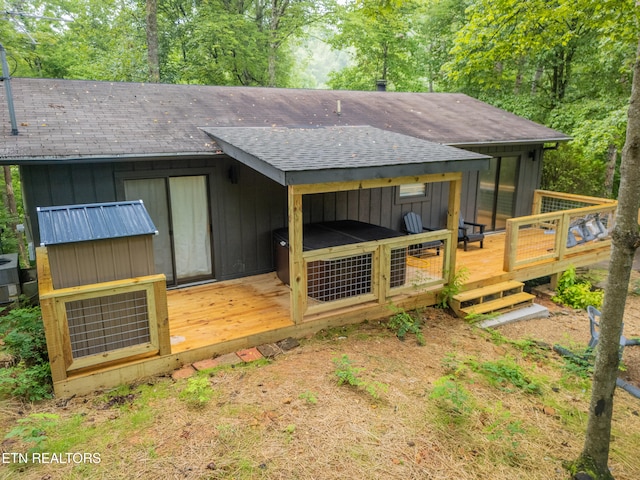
(198, 392)
(403, 323)
(569, 170)
(310, 397)
(349, 375)
(505, 372)
(23, 334)
(529, 348)
(22, 331)
(473, 318)
(500, 373)
(381, 36)
(451, 397)
(33, 429)
(214, 42)
(580, 363)
(575, 293)
(28, 383)
(452, 288)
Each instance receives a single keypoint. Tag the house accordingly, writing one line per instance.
(221, 168)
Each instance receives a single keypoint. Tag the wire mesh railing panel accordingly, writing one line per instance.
(108, 323)
(537, 240)
(555, 204)
(421, 265)
(591, 227)
(337, 278)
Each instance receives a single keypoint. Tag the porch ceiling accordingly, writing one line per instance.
(297, 156)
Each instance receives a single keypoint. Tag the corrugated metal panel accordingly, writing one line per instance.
(97, 221)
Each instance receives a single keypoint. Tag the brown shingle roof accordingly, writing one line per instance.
(74, 119)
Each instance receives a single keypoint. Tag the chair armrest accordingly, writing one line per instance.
(481, 226)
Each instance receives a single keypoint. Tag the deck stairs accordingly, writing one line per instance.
(491, 299)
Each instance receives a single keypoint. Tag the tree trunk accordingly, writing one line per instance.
(152, 41)
(536, 80)
(13, 214)
(278, 9)
(612, 159)
(625, 240)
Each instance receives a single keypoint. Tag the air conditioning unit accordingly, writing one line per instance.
(9, 277)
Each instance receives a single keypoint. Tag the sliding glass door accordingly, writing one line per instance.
(179, 207)
(497, 194)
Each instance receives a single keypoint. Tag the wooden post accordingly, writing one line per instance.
(162, 317)
(53, 335)
(297, 269)
(510, 245)
(453, 215)
(562, 234)
(381, 274)
(536, 206)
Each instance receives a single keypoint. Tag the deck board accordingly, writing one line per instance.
(218, 312)
(221, 311)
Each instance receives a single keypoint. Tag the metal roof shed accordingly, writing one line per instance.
(89, 245)
(96, 243)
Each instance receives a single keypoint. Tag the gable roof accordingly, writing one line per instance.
(77, 120)
(96, 221)
(317, 155)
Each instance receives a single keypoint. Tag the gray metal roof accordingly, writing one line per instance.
(313, 155)
(97, 221)
(77, 120)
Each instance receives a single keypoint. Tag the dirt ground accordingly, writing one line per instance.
(568, 327)
(289, 419)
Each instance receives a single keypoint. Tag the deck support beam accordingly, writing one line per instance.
(297, 275)
(453, 215)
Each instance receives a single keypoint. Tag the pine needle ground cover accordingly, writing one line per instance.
(469, 404)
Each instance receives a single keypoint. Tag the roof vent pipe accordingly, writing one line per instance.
(381, 85)
(7, 86)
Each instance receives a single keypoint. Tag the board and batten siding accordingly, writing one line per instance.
(245, 206)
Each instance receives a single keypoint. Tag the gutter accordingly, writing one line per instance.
(106, 158)
(490, 143)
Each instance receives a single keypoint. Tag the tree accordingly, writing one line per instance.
(152, 41)
(382, 36)
(593, 460)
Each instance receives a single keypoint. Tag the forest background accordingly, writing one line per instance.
(565, 64)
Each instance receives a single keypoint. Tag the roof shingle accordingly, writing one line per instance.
(77, 119)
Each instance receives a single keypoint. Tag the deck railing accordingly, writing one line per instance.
(562, 225)
(373, 271)
(91, 325)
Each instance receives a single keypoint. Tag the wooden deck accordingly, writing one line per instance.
(222, 317)
(220, 312)
(486, 266)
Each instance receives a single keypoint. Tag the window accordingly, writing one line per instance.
(413, 190)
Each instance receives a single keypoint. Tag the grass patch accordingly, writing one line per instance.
(347, 374)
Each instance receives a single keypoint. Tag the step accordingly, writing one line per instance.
(502, 304)
(529, 312)
(494, 289)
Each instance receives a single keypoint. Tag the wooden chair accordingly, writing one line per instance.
(413, 225)
(469, 232)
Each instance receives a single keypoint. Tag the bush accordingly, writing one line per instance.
(22, 331)
(575, 293)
